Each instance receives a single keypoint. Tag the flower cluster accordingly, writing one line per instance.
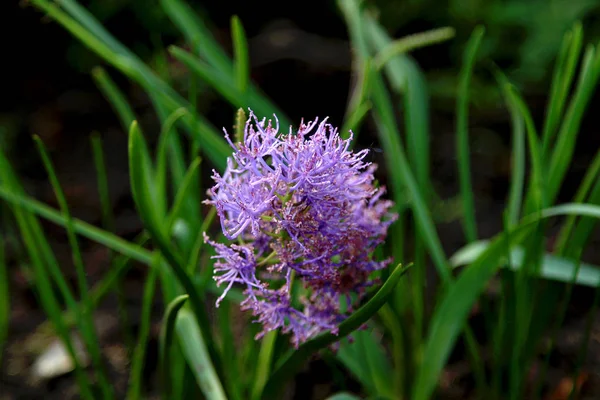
(307, 217)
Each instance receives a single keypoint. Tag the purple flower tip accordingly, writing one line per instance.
(309, 216)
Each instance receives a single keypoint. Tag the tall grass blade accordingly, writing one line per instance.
(263, 368)
(91, 232)
(591, 177)
(564, 72)
(240, 54)
(462, 135)
(198, 358)
(412, 42)
(553, 267)
(197, 35)
(167, 331)
(569, 129)
(139, 356)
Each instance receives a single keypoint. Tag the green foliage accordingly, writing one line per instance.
(405, 347)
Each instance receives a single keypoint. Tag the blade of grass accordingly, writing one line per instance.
(166, 340)
(289, 364)
(226, 86)
(109, 224)
(590, 178)
(358, 103)
(401, 360)
(343, 396)
(538, 183)
(265, 360)
(518, 167)
(98, 235)
(164, 142)
(412, 42)
(564, 71)
(103, 192)
(206, 47)
(137, 364)
(569, 129)
(378, 365)
(240, 54)
(553, 267)
(198, 358)
(197, 35)
(232, 381)
(584, 228)
(462, 138)
(85, 314)
(115, 97)
(189, 181)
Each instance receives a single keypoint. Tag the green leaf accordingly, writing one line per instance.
(91, 232)
(538, 184)
(194, 349)
(366, 358)
(515, 197)
(187, 185)
(197, 35)
(591, 178)
(553, 267)
(240, 54)
(412, 42)
(462, 137)
(265, 360)
(226, 87)
(289, 364)
(569, 129)
(343, 396)
(137, 364)
(564, 71)
(166, 340)
(101, 176)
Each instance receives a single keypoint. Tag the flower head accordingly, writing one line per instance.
(307, 210)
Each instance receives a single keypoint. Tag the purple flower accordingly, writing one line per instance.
(308, 216)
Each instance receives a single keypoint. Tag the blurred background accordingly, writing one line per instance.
(300, 57)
